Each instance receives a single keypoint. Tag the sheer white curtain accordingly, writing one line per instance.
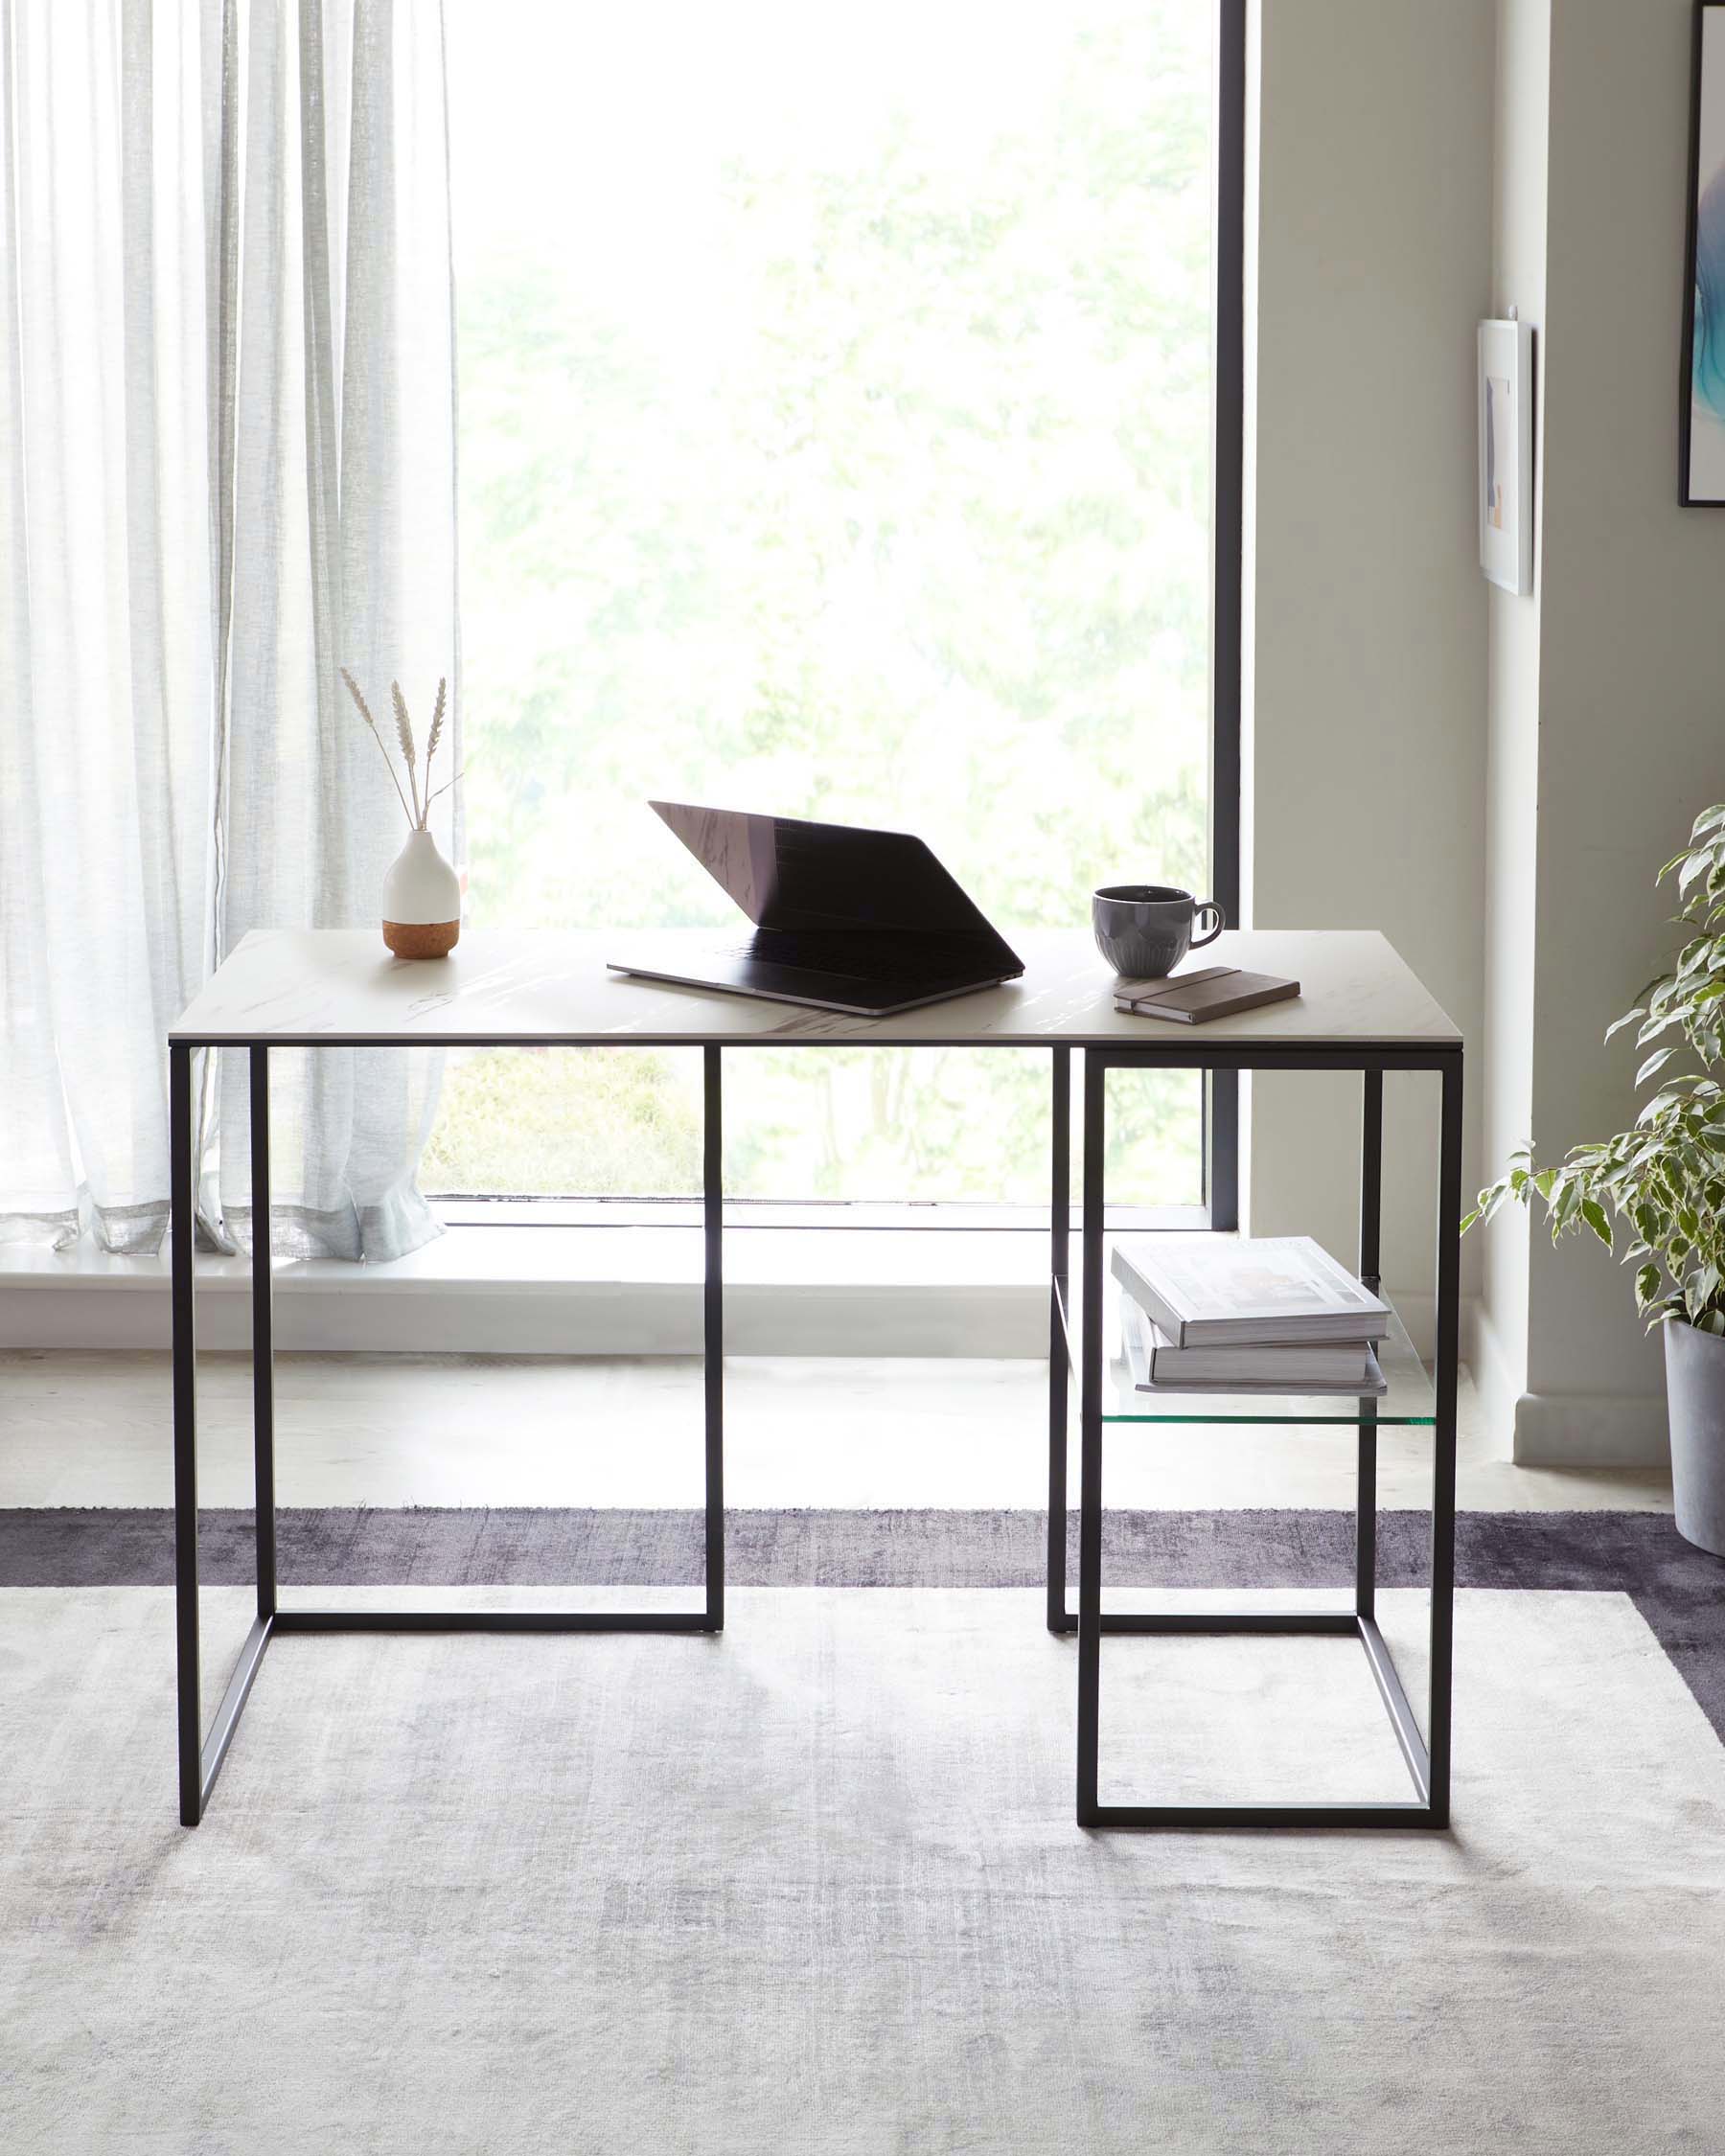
(227, 458)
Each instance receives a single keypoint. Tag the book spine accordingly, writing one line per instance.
(1249, 1362)
(1147, 1009)
(1155, 1307)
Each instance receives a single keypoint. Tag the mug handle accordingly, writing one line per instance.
(1210, 934)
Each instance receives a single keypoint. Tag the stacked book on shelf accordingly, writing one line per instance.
(1228, 1313)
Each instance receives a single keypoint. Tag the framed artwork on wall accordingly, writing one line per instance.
(1701, 478)
(1507, 454)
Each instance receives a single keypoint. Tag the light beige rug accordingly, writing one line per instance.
(814, 1887)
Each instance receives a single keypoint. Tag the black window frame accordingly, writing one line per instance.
(1220, 1149)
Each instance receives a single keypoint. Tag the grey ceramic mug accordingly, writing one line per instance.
(1145, 929)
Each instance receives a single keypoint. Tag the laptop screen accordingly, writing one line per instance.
(788, 874)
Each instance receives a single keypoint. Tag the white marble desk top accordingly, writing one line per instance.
(292, 987)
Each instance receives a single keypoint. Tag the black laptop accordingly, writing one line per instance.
(866, 921)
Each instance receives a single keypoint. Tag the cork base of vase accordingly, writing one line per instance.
(422, 901)
(422, 939)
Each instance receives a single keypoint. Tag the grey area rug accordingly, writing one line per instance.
(1679, 1590)
(815, 1889)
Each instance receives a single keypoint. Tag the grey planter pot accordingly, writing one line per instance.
(1695, 1403)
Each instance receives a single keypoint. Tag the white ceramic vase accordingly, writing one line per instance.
(421, 901)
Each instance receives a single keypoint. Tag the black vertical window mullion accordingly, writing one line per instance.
(1222, 1103)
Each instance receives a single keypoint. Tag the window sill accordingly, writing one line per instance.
(549, 1279)
(569, 1291)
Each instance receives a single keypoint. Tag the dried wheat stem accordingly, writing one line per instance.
(432, 741)
(446, 786)
(353, 688)
(405, 731)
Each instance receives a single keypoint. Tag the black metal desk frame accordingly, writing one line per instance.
(201, 1757)
(1427, 1758)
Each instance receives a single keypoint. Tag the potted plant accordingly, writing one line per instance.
(1664, 1180)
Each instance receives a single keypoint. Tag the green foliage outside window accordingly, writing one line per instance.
(906, 520)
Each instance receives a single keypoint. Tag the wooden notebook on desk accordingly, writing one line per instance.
(1212, 992)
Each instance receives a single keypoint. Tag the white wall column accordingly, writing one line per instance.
(1491, 779)
(1368, 258)
(1614, 735)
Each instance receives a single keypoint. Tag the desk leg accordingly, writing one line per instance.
(182, 1203)
(1443, 1452)
(264, 1497)
(200, 1762)
(712, 1221)
(1371, 1185)
(1090, 1469)
(1060, 1210)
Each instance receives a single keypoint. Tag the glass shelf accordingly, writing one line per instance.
(1409, 1400)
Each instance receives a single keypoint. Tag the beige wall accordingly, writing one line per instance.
(1491, 779)
(1629, 713)
(1370, 258)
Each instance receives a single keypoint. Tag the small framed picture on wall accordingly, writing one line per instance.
(1507, 454)
(1701, 472)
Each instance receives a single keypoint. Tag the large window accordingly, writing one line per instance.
(836, 438)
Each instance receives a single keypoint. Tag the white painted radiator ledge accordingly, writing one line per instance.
(570, 1290)
(581, 1290)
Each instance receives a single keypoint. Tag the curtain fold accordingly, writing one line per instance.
(226, 471)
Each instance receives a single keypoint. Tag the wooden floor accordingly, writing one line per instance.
(93, 1429)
